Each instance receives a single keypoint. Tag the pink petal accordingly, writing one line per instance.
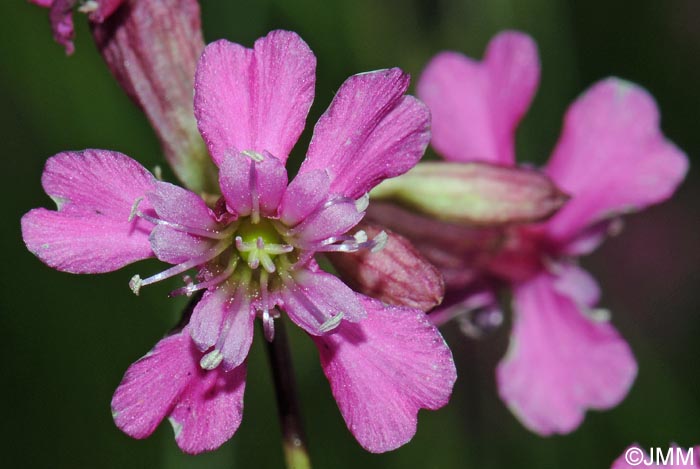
(561, 361)
(204, 407)
(383, 370)
(254, 99)
(151, 386)
(95, 191)
(177, 205)
(476, 106)
(42, 3)
(209, 411)
(240, 185)
(370, 132)
(223, 319)
(612, 157)
(174, 247)
(61, 17)
(315, 300)
(577, 284)
(332, 220)
(305, 194)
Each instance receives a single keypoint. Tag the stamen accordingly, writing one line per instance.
(134, 208)
(331, 323)
(320, 316)
(351, 244)
(253, 155)
(239, 305)
(253, 258)
(268, 326)
(278, 248)
(254, 195)
(261, 253)
(217, 279)
(243, 246)
(479, 322)
(362, 203)
(211, 360)
(379, 241)
(136, 282)
(225, 233)
(361, 236)
(89, 6)
(313, 215)
(597, 314)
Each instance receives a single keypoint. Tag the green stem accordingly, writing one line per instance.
(293, 438)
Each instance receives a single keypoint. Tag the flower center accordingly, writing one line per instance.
(259, 243)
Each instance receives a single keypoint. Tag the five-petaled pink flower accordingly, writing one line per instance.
(565, 357)
(61, 16)
(254, 251)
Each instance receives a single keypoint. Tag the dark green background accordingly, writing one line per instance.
(66, 340)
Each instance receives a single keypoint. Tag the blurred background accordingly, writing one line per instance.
(67, 340)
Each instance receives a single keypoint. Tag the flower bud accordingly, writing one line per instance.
(398, 274)
(474, 193)
(152, 48)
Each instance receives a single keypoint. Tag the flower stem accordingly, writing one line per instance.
(293, 438)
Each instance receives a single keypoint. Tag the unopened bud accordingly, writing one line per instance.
(398, 274)
(474, 193)
(152, 47)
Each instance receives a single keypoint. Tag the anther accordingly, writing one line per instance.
(135, 284)
(253, 155)
(211, 360)
(192, 287)
(331, 323)
(379, 241)
(89, 7)
(361, 236)
(135, 208)
(362, 203)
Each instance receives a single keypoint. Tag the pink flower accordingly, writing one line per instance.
(565, 357)
(254, 251)
(672, 457)
(61, 16)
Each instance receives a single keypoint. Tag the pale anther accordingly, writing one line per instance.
(211, 360)
(331, 323)
(362, 203)
(134, 208)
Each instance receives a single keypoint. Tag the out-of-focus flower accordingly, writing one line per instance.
(565, 357)
(254, 250)
(61, 16)
(666, 458)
